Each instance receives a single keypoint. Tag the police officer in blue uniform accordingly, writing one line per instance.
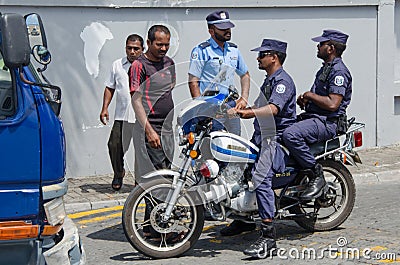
(213, 65)
(274, 110)
(325, 109)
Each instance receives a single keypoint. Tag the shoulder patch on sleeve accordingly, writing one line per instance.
(281, 88)
(204, 44)
(194, 55)
(339, 80)
(231, 44)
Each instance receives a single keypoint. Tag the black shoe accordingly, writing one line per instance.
(315, 185)
(262, 248)
(237, 227)
(265, 246)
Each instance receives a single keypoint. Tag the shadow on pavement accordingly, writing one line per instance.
(210, 244)
(104, 188)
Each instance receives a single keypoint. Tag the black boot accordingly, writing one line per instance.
(265, 245)
(315, 185)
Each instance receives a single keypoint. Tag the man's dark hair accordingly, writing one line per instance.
(135, 37)
(339, 47)
(151, 34)
(281, 56)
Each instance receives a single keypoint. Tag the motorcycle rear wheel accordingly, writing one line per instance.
(336, 207)
(161, 239)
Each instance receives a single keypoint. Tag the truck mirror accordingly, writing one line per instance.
(15, 40)
(35, 29)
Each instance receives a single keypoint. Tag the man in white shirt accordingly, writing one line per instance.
(118, 83)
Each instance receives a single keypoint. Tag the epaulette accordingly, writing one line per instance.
(204, 44)
(231, 44)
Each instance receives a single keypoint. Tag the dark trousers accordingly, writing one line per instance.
(118, 144)
(147, 158)
(262, 179)
(298, 136)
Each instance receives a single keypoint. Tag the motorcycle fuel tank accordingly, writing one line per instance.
(228, 147)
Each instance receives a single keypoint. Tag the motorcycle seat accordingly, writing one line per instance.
(319, 148)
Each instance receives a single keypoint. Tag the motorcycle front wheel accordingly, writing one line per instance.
(144, 226)
(333, 208)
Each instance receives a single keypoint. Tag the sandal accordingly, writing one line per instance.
(116, 184)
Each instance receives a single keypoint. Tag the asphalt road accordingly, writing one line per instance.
(370, 236)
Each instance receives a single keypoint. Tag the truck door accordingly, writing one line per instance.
(19, 149)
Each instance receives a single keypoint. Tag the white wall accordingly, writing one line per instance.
(80, 65)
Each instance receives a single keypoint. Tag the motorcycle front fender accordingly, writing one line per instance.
(163, 172)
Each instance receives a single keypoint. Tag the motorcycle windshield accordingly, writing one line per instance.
(201, 108)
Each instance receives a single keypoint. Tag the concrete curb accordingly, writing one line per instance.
(88, 206)
(359, 179)
(374, 177)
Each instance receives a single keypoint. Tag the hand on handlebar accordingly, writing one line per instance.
(241, 103)
(232, 113)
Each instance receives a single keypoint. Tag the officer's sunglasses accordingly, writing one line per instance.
(263, 54)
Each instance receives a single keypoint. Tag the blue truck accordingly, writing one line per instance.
(34, 227)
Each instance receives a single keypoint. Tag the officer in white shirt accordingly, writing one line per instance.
(118, 83)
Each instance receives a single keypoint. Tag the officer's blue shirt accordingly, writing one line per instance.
(338, 81)
(214, 67)
(282, 91)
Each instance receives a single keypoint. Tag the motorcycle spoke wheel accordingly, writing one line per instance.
(144, 225)
(333, 208)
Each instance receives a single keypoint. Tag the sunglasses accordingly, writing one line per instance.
(263, 54)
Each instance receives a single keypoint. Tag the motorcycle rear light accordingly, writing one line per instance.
(357, 138)
(205, 171)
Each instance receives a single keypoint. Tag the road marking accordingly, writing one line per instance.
(91, 212)
(100, 218)
(103, 210)
(118, 214)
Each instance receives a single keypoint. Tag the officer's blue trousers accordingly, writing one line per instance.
(262, 178)
(298, 136)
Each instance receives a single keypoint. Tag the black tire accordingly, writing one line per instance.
(135, 234)
(343, 181)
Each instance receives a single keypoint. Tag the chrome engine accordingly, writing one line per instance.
(231, 191)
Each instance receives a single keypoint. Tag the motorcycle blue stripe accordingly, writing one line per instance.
(232, 153)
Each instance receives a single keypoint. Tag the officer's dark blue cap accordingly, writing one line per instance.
(220, 19)
(334, 35)
(271, 45)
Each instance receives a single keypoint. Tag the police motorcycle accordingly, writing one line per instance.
(214, 175)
